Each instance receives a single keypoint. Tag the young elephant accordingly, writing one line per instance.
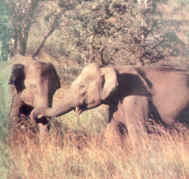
(132, 93)
(35, 83)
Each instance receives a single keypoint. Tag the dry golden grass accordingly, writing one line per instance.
(157, 157)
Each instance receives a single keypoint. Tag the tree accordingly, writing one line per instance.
(130, 33)
(23, 14)
(127, 33)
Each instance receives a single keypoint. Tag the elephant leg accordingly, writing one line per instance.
(114, 133)
(136, 111)
(14, 111)
(43, 126)
(43, 132)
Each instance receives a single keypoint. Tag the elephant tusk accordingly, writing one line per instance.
(39, 116)
(78, 110)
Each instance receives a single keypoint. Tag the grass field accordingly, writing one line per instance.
(156, 157)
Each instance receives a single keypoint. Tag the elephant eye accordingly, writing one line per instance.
(82, 90)
(103, 81)
(83, 106)
(32, 85)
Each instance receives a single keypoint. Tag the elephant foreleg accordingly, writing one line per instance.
(136, 111)
(128, 118)
(114, 133)
(43, 133)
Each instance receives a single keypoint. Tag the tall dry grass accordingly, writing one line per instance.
(157, 157)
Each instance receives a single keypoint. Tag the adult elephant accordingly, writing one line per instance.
(35, 83)
(132, 93)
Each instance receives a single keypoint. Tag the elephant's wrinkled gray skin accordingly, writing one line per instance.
(35, 83)
(132, 93)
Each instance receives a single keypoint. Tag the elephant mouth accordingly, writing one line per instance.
(25, 111)
(79, 109)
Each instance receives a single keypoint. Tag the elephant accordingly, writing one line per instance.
(34, 83)
(133, 94)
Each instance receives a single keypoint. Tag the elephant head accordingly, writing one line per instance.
(88, 90)
(35, 82)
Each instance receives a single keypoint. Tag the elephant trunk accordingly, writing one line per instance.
(62, 106)
(58, 110)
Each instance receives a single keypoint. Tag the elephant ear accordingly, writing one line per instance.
(109, 83)
(87, 86)
(17, 77)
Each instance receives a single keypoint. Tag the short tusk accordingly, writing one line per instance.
(78, 110)
(39, 116)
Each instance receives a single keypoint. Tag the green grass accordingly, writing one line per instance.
(4, 109)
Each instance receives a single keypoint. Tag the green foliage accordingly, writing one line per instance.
(4, 99)
(3, 160)
(126, 32)
(184, 2)
(4, 110)
(4, 31)
(118, 31)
